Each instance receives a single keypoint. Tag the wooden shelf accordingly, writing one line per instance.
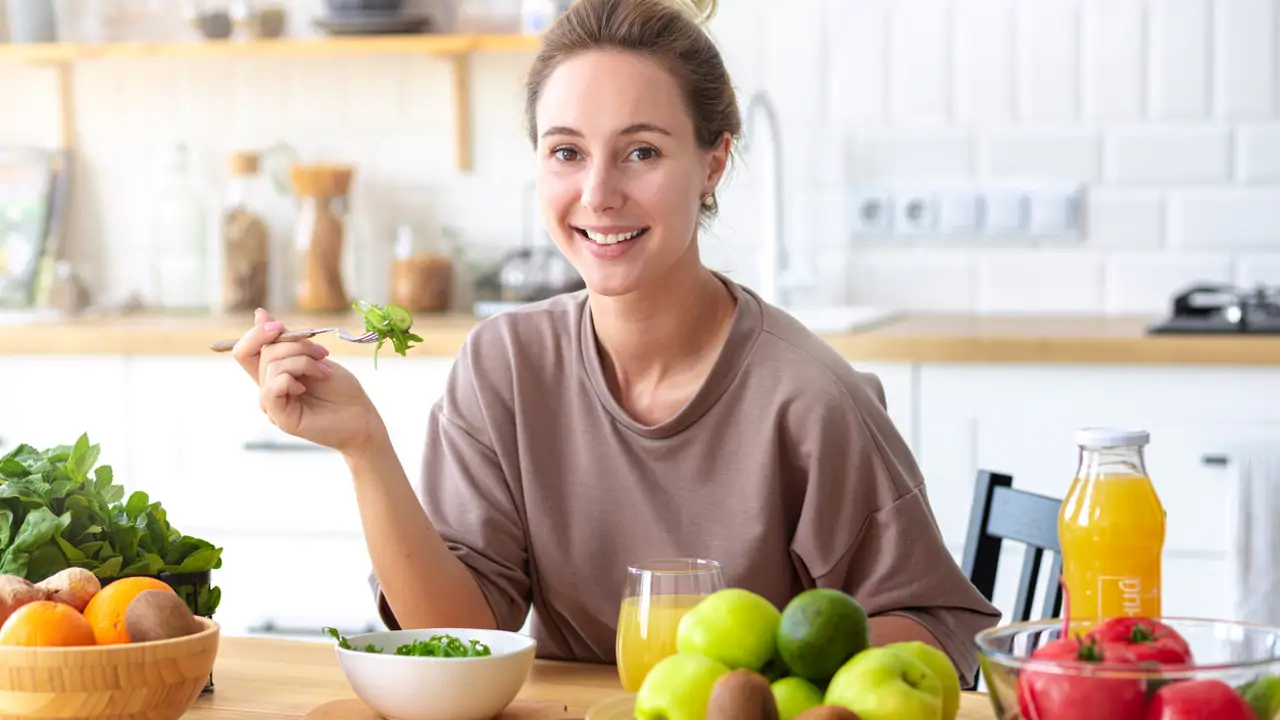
(454, 48)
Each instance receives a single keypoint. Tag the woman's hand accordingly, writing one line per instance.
(303, 392)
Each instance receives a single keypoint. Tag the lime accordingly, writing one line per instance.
(794, 695)
(819, 631)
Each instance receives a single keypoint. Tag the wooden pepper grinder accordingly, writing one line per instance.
(322, 196)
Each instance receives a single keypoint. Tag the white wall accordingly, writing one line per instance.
(1168, 111)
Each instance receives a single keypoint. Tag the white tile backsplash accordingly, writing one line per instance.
(1164, 154)
(1113, 50)
(1258, 153)
(1225, 218)
(1048, 60)
(1168, 111)
(1245, 58)
(1146, 283)
(1062, 154)
(1179, 59)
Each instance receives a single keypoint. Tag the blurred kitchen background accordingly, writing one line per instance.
(965, 159)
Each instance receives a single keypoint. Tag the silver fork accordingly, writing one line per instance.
(364, 339)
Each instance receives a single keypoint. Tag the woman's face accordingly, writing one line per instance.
(620, 174)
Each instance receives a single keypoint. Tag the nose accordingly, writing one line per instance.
(601, 188)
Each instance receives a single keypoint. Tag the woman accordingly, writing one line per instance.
(664, 411)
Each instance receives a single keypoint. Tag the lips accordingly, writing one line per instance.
(611, 238)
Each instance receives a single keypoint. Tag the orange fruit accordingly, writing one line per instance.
(105, 612)
(45, 623)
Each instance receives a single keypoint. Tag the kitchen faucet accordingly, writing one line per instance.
(776, 279)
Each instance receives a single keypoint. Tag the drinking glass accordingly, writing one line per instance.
(658, 593)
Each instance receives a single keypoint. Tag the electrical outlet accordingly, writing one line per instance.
(916, 214)
(872, 213)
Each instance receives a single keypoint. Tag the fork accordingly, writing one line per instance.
(364, 339)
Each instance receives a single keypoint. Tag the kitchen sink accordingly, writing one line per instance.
(840, 318)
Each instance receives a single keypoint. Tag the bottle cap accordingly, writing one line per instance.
(1105, 437)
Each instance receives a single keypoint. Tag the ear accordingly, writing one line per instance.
(717, 163)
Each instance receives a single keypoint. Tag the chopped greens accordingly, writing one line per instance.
(436, 646)
(57, 511)
(389, 323)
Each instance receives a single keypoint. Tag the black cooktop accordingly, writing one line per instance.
(1223, 310)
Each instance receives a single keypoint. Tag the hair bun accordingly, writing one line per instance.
(699, 11)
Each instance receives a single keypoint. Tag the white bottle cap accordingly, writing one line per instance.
(1104, 437)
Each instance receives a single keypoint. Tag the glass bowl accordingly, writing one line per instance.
(1236, 654)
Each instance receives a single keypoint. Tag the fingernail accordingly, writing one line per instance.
(325, 368)
(273, 326)
(324, 351)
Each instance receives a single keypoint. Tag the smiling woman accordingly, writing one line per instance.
(665, 411)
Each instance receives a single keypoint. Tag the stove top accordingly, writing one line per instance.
(1223, 310)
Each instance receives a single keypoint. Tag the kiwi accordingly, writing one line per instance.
(742, 695)
(828, 712)
(158, 615)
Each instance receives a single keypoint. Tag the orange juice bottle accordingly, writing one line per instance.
(1111, 529)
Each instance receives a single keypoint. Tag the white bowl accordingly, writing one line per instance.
(402, 687)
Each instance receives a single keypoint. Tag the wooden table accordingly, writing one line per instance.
(259, 679)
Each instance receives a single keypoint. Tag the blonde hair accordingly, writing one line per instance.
(669, 31)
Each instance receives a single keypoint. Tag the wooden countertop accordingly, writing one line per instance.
(261, 679)
(957, 338)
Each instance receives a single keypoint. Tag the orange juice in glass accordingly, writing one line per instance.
(657, 594)
(1111, 529)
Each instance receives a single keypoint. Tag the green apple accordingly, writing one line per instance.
(1263, 695)
(678, 687)
(734, 626)
(884, 684)
(942, 668)
(794, 695)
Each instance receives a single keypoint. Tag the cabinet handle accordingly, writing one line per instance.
(1216, 460)
(276, 446)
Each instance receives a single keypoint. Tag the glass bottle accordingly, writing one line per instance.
(1112, 529)
(180, 273)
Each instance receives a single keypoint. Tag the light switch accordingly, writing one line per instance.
(958, 212)
(1005, 212)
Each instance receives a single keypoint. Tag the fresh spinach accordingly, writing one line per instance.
(57, 510)
(436, 646)
(389, 323)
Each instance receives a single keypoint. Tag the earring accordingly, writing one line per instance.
(708, 200)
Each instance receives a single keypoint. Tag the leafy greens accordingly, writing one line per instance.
(436, 646)
(58, 510)
(389, 323)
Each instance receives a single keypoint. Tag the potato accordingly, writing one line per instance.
(158, 615)
(15, 592)
(73, 586)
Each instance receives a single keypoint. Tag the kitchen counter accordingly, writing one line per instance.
(262, 679)
(953, 338)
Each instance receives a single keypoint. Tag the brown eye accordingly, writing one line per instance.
(644, 153)
(565, 154)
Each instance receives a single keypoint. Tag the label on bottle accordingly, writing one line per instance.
(1124, 596)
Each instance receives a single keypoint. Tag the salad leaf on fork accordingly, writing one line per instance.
(388, 323)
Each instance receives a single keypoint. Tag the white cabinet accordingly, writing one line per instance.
(1020, 420)
(899, 381)
(48, 401)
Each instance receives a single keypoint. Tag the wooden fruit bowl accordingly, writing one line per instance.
(140, 681)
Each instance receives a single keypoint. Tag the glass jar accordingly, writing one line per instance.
(246, 238)
(322, 192)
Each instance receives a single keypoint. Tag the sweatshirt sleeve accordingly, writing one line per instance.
(866, 526)
(466, 494)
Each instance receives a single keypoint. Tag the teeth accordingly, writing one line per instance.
(601, 239)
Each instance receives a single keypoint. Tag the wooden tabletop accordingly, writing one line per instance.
(261, 679)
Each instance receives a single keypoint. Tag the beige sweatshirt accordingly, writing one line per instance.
(784, 467)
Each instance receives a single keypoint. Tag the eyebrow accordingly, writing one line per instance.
(633, 129)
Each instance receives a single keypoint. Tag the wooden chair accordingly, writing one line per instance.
(1001, 513)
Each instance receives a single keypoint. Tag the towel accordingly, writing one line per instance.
(1253, 558)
